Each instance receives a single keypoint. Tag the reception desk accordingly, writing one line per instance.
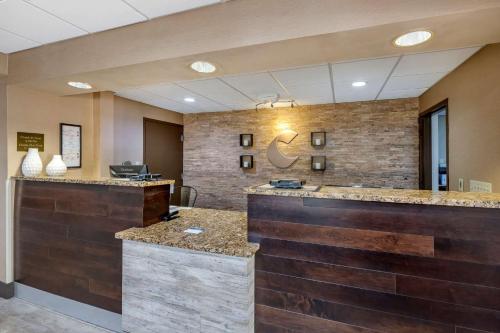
(64, 233)
(375, 260)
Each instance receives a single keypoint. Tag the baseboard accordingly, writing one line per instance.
(6, 290)
(84, 312)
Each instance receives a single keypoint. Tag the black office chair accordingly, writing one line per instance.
(188, 196)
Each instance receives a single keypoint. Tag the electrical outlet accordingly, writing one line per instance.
(460, 184)
(477, 186)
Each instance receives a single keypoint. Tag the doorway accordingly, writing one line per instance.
(434, 152)
(163, 151)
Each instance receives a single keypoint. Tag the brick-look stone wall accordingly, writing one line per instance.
(372, 143)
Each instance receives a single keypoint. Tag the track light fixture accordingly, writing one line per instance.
(273, 103)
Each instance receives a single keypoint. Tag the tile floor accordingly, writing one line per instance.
(18, 316)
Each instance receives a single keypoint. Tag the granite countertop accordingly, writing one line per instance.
(420, 197)
(225, 232)
(96, 181)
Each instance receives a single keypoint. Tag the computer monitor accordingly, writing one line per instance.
(127, 171)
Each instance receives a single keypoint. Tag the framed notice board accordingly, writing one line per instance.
(71, 145)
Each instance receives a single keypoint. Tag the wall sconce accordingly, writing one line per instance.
(246, 161)
(246, 140)
(318, 163)
(318, 139)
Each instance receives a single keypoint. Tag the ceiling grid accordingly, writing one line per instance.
(386, 78)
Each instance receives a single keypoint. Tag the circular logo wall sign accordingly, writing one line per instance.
(274, 154)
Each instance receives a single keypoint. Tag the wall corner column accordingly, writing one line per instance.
(5, 242)
(103, 132)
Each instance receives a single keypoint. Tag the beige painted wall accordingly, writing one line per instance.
(3, 179)
(473, 92)
(371, 143)
(112, 126)
(4, 64)
(128, 127)
(38, 112)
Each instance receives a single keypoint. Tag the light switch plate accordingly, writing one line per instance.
(478, 186)
(461, 184)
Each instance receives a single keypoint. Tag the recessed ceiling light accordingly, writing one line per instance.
(203, 67)
(359, 84)
(189, 99)
(413, 38)
(79, 85)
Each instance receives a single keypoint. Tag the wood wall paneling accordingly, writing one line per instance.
(312, 274)
(64, 236)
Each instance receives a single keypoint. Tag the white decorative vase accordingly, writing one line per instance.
(32, 165)
(56, 167)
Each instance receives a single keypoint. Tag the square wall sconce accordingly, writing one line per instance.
(318, 163)
(246, 161)
(318, 139)
(246, 140)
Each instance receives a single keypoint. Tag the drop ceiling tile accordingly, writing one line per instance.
(92, 15)
(23, 19)
(374, 72)
(393, 94)
(433, 62)
(255, 85)
(217, 90)
(177, 93)
(312, 94)
(308, 85)
(11, 43)
(303, 76)
(146, 97)
(156, 8)
(413, 81)
(170, 91)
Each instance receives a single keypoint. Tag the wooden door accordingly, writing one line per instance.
(163, 151)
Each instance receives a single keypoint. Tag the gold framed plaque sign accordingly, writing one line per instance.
(71, 145)
(30, 140)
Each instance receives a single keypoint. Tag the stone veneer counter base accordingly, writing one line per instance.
(225, 232)
(419, 197)
(179, 282)
(97, 181)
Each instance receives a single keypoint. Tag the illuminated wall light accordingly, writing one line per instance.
(283, 126)
(189, 100)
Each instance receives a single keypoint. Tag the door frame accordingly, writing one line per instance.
(421, 118)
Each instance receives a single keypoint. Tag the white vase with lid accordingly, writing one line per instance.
(32, 165)
(56, 167)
